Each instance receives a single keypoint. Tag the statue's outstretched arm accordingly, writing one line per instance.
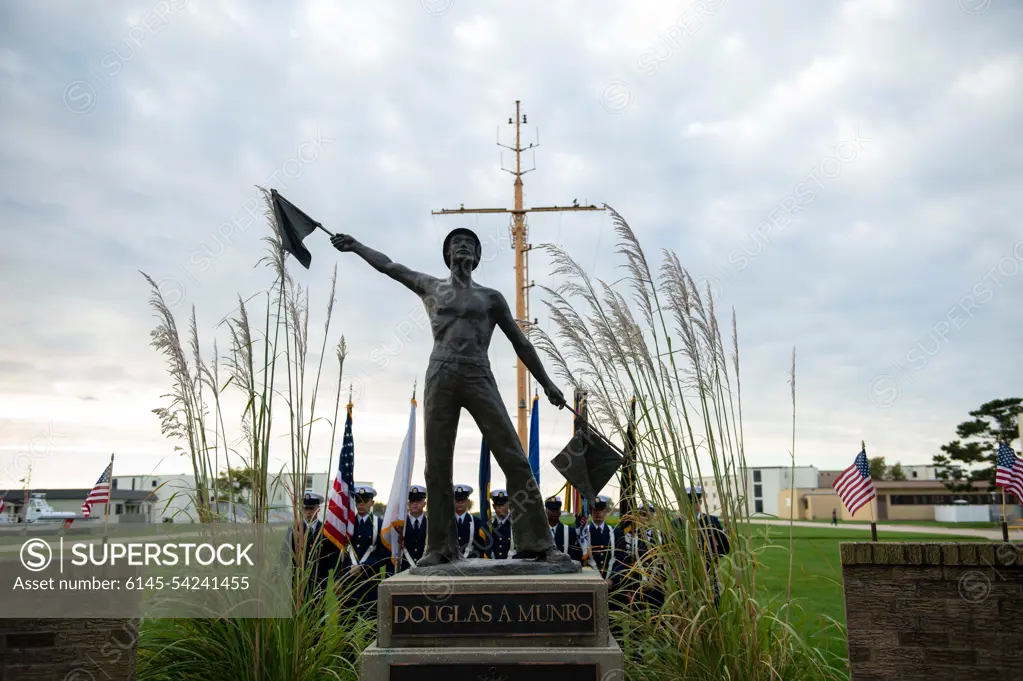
(415, 281)
(525, 350)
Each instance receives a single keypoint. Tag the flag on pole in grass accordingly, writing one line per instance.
(534, 439)
(293, 225)
(855, 486)
(1009, 471)
(100, 493)
(397, 504)
(629, 481)
(485, 481)
(339, 521)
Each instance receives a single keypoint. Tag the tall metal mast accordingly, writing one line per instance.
(519, 234)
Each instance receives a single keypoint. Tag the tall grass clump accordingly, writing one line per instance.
(659, 340)
(230, 412)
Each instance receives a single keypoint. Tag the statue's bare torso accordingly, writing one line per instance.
(462, 320)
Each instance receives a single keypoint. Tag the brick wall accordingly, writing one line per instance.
(934, 611)
(68, 650)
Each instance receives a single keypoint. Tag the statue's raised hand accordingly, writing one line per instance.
(555, 396)
(343, 242)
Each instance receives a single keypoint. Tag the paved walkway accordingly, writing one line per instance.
(1015, 534)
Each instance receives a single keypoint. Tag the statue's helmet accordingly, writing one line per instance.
(462, 231)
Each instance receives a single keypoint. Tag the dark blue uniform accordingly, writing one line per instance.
(566, 540)
(643, 581)
(415, 540)
(313, 561)
(607, 552)
(713, 539)
(472, 536)
(499, 530)
(500, 538)
(370, 553)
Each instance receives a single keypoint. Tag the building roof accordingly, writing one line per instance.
(18, 496)
(979, 486)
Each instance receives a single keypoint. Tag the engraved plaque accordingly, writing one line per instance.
(568, 613)
(525, 671)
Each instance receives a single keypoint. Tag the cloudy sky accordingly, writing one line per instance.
(846, 175)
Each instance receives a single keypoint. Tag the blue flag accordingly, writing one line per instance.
(534, 440)
(485, 481)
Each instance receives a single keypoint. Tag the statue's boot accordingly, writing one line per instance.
(432, 558)
(551, 555)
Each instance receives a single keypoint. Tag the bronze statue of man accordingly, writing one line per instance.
(463, 315)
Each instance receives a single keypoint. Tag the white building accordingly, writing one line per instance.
(126, 506)
(760, 487)
(922, 472)
(175, 494)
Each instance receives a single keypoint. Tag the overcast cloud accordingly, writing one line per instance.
(846, 175)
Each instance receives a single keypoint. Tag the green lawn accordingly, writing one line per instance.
(920, 523)
(817, 590)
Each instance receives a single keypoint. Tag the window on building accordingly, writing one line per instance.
(133, 483)
(113, 483)
(756, 476)
(119, 509)
(758, 491)
(913, 473)
(154, 483)
(309, 484)
(758, 506)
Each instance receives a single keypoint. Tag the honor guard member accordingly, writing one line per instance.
(647, 578)
(370, 554)
(566, 539)
(472, 535)
(713, 538)
(415, 528)
(313, 528)
(606, 546)
(501, 546)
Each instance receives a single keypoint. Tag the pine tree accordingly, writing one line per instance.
(973, 457)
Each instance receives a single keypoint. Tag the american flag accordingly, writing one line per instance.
(1009, 472)
(854, 486)
(339, 524)
(100, 493)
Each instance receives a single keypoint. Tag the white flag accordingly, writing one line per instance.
(397, 504)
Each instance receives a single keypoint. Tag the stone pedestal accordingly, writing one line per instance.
(492, 628)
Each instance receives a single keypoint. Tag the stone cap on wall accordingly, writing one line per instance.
(932, 553)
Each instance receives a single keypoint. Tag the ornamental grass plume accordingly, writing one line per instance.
(658, 338)
(267, 372)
